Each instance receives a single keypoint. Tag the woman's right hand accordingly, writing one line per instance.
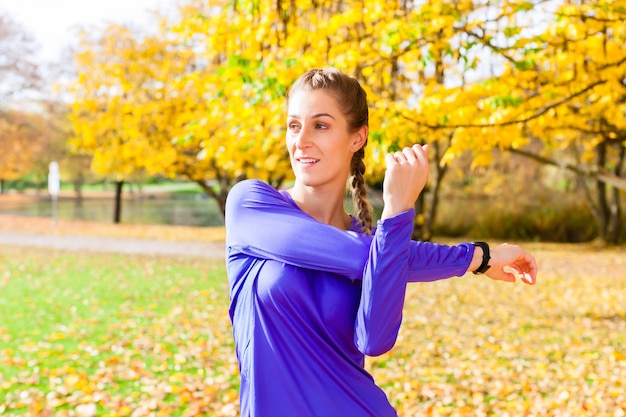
(405, 178)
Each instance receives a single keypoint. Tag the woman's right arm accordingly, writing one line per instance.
(261, 223)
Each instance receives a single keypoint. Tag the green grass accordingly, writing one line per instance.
(112, 329)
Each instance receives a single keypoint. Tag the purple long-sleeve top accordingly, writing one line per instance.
(308, 301)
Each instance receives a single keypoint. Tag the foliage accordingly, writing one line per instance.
(112, 335)
(203, 97)
(22, 139)
(551, 91)
(107, 102)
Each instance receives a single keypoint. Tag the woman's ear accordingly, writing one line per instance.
(359, 138)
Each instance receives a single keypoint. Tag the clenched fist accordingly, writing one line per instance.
(405, 178)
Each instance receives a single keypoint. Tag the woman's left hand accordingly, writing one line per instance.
(510, 262)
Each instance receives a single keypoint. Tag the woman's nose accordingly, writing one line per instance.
(303, 139)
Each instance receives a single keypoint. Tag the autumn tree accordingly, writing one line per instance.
(587, 61)
(18, 72)
(259, 48)
(119, 82)
(562, 86)
(18, 67)
(173, 104)
(22, 139)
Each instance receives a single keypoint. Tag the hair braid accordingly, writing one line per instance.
(359, 191)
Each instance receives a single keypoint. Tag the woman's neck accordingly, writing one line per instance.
(323, 206)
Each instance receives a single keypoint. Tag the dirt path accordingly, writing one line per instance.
(213, 250)
(99, 237)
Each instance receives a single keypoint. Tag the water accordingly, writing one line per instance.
(174, 209)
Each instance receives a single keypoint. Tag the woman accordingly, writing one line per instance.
(313, 290)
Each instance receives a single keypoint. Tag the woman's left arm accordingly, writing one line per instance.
(432, 261)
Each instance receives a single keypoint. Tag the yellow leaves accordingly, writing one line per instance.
(482, 159)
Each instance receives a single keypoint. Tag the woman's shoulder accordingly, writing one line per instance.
(253, 189)
(252, 185)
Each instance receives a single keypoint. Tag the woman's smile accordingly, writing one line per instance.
(307, 162)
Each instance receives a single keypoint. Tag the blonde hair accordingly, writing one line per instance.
(352, 100)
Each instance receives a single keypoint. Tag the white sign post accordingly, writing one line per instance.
(54, 186)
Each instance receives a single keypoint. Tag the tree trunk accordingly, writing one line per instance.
(440, 172)
(117, 215)
(427, 204)
(609, 212)
(421, 230)
(219, 196)
(614, 223)
(78, 189)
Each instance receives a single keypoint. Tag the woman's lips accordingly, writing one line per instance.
(307, 161)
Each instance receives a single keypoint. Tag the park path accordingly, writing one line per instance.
(211, 250)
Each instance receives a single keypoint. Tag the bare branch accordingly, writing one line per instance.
(18, 70)
(595, 173)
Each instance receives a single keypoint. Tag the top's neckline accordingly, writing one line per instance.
(354, 223)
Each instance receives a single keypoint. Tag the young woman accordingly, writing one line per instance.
(313, 289)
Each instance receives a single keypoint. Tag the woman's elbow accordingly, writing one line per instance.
(374, 346)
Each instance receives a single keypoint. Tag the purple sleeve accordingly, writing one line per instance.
(432, 261)
(394, 260)
(261, 223)
(384, 285)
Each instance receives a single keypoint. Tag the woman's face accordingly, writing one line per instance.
(318, 139)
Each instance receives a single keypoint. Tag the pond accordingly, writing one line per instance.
(186, 209)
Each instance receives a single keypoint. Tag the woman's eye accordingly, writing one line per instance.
(320, 126)
(293, 127)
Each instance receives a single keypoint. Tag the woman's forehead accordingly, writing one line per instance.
(310, 102)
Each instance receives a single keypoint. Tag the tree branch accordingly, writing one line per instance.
(596, 173)
(539, 112)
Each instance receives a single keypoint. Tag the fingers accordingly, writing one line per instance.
(512, 263)
(515, 273)
(390, 159)
(405, 178)
(416, 153)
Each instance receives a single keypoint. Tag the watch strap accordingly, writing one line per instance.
(484, 266)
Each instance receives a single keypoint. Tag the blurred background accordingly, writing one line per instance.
(153, 110)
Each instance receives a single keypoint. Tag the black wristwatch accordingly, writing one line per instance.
(484, 266)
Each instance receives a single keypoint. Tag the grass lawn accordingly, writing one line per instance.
(84, 334)
(113, 335)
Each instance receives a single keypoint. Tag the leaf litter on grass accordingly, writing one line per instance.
(115, 335)
(109, 335)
